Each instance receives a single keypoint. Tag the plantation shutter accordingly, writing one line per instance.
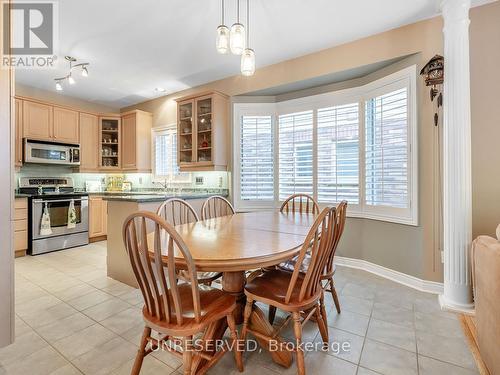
(338, 154)
(386, 149)
(295, 154)
(257, 158)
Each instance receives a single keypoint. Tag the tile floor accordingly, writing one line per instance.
(72, 319)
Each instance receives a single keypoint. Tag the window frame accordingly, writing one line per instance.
(403, 78)
(182, 177)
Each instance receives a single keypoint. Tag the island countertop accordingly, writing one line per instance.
(143, 198)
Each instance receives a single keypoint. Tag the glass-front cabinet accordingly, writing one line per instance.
(109, 131)
(203, 132)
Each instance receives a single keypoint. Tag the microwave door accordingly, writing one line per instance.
(47, 154)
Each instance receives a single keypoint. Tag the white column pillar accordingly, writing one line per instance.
(457, 188)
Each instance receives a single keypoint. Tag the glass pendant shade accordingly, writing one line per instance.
(237, 39)
(248, 62)
(71, 80)
(222, 40)
(85, 72)
(59, 86)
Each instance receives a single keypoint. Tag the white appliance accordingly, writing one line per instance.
(42, 152)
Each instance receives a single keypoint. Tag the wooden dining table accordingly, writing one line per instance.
(240, 243)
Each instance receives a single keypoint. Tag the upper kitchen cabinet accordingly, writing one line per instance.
(66, 126)
(50, 123)
(89, 142)
(202, 129)
(109, 143)
(37, 120)
(136, 141)
(18, 162)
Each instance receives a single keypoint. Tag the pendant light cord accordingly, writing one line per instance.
(222, 12)
(238, 10)
(248, 22)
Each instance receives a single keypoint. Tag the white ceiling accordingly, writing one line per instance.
(134, 46)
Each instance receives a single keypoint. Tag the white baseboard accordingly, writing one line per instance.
(396, 276)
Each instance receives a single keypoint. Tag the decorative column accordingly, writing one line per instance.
(457, 188)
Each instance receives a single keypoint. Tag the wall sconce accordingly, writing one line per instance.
(433, 73)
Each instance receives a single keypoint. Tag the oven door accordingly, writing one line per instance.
(46, 153)
(58, 212)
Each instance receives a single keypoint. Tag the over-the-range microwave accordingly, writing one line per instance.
(43, 152)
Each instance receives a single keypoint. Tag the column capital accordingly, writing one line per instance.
(455, 10)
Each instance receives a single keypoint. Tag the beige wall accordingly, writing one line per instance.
(412, 250)
(61, 99)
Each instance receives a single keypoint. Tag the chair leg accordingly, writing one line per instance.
(297, 328)
(141, 352)
(323, 309)
(236, 345)
(246, 318)
(334, 295)
(272, 314)
(187, 355)
(321, 324)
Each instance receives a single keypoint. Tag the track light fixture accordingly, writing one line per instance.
(72, 67)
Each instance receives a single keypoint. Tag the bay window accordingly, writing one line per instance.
(357, 145)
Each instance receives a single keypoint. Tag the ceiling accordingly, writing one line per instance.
(134, 46)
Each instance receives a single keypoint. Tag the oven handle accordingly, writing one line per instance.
(59, 200)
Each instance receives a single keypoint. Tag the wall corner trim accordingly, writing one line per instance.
(396, 276)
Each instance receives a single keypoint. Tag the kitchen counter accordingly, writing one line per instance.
(143, 198)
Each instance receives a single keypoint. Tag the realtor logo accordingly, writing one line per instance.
(32, 34)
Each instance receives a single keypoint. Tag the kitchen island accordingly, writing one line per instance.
(120, 206)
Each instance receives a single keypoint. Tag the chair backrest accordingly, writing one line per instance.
(216, 206)
(319, 243)
(340, 224)
(301, 203)
(158, 280)
(177, 211)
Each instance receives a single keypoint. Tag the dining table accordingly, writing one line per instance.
(235, 245)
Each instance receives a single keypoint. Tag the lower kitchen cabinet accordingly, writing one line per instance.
(98, 218)
(20, 226)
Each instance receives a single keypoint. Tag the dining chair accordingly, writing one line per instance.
(176, 310)
(327, 279)
(295, 292)
(177, 211)
(216, 206)
(301, 203)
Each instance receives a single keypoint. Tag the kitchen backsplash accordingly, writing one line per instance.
(140, 181)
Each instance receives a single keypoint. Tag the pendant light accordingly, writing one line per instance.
(222, 40)
(237, 35)
(248, 56)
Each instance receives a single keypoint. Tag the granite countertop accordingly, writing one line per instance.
(21, 195)
(144, 198)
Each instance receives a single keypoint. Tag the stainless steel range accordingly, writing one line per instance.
(54, 196)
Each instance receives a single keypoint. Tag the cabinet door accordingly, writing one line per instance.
(37, 121)
(19, 133)
(186, 141)
(129, 142)
(104, 213)
(96, 217)
(66, 125)
(89, 142)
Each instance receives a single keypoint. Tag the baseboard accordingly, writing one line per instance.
(396, 276)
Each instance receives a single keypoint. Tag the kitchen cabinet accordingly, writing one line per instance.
(89, 142)
(18, 161)
(202, 132)
(110, 143)
(66, 127)
(37, 121)
(20, 226)
(50, 123)
(98, 218)
(136, 141)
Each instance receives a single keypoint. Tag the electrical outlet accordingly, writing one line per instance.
(199, 180)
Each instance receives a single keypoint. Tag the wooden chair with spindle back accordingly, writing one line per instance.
(216, 206)
(301, 203)
(296, 292)
(176, 212)
(176, 310)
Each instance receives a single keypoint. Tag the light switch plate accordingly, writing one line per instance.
(199, 180)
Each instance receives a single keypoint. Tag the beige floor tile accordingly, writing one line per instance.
(350, 322)
(42, 362)
(123, 321)
(392, 334)
(106, 358)
(24, 345)
(387, 359)
(69, 369)
(118, 289)
(365, 371)
(134, 297)
(437, 324)
(343, 345)
(89, 300)
(354, 304)
(106, 309)
(134, 334)
(37, 304)
(393, 314)
(21, 327)
(150, 366)
(103, 282)
(359, 291)
(83, 341)
(448, 349)
(65, 327)
(52, 314)
(429, 366)
(75, 291)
